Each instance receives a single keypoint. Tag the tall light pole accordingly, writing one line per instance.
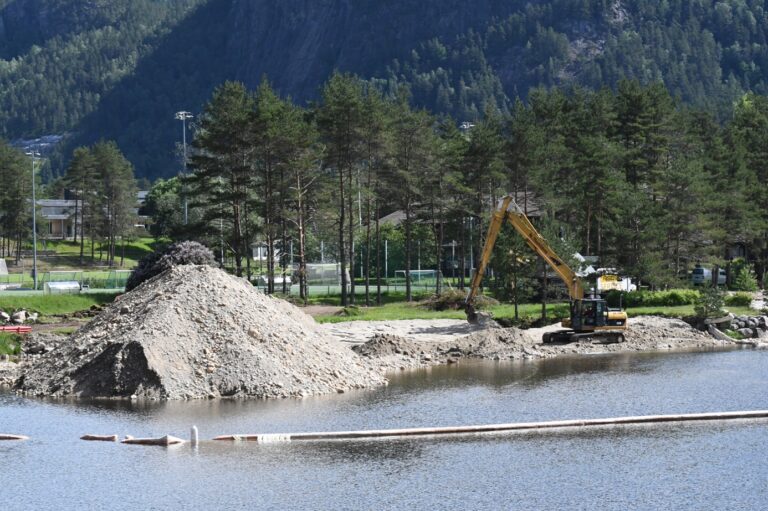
(34, 154)
(183, 116)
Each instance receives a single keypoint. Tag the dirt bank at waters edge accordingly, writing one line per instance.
(415, 343)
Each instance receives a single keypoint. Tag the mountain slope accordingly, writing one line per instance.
(120, 69)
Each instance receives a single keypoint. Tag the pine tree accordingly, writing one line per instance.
(339, 119)
(118, 191)
(222, 164)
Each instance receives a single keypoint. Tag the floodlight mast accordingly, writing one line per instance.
(182, 116)
(34, 154)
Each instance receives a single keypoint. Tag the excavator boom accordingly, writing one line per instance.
(510, 211)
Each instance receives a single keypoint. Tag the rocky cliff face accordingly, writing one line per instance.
(298, 43)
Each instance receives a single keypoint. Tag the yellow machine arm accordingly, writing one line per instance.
(511, 211)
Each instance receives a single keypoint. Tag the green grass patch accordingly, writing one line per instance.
(413, 310)
(48, 305)
(528, 312)
(387, 297)
(10, 344)
(738, 299)
(65, 255)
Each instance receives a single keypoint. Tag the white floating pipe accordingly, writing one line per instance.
(494, 428)
(4, 436)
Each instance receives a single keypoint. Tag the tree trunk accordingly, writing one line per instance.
(588, 227)
(351, 237)
(82, 229)
(284, 232)
(303, 291)
(248, 240)
(515, 296)
(367, 269)
(462, 255)
(342, 247)
(408, 291)
(544, 286)
(378, 254)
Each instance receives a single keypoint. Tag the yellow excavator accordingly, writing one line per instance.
(590, 317)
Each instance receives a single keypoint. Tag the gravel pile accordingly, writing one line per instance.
(197, 332)
(9, 371)
(393, 352)
(414, 344)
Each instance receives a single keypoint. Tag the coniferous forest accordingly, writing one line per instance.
(119, 70)
(636, 130)
(633, 177)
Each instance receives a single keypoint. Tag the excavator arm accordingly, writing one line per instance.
(510, 211)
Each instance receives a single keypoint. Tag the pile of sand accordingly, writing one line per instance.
(417, 343)
(197, 332)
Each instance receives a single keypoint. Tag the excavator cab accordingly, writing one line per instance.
(588, 314)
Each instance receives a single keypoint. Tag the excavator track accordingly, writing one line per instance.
(566, 336)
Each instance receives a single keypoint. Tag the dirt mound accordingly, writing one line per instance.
(416, 343)
(196, 332)
(391, 351)
(381, 345)
(659, 330)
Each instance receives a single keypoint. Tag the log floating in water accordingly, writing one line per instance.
(4, 436)
(164, 441)
(495, 428)
(100, 438)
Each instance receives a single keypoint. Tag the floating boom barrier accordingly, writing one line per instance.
(164, 441)
(100, 438)
(493, 428)
(4, 436)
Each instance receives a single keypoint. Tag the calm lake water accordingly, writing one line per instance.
(700, 466)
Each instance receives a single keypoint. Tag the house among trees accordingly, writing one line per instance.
(62, 224)
(59, 214)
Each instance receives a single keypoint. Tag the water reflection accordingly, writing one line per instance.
(652, 467)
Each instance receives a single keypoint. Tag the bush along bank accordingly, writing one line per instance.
(672, 298)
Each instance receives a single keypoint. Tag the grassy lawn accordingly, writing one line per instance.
(402, 310)
(67, 256)
(48, 305)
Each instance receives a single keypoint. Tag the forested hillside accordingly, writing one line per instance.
(119, 69)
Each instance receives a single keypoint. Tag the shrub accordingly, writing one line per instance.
(738, 300)
(709, 304)
(670, 298)
(453, 299)
(184, 252)
(745, 280)
(350, 311)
